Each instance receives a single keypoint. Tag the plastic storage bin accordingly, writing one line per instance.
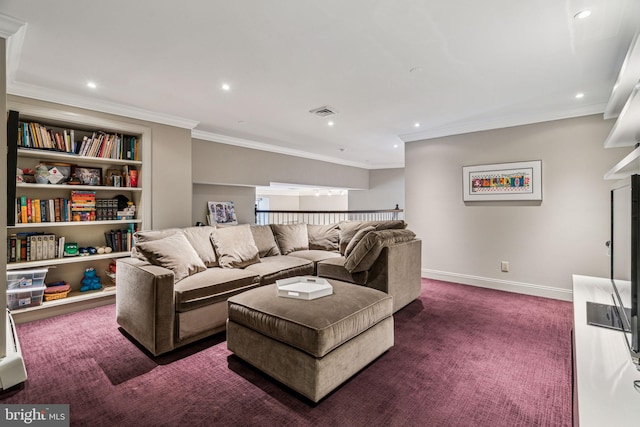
(20, 279)
(25, 297)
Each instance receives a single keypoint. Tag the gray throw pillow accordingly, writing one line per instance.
(173, 252)
(291, 237)
(200, 239)
(323, 237)
(265, 241)
(356, 239)
(235, 246)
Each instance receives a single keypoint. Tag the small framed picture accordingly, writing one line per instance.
(114, 178)
(59, 173)
(88, 175)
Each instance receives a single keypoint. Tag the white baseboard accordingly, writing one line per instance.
(12, 368)
(501, 285)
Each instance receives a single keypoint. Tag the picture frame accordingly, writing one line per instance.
(59, 172)
(502, 181)
(114, 178)
(88, 175)
(221, 213)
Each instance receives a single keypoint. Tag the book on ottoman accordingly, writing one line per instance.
(303, 287)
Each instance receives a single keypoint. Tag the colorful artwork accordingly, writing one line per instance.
(507, 181)
(221, 213)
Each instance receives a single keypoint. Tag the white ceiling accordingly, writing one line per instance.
(454, 66)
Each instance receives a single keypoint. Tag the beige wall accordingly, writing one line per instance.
(236, 168)
(243, 198)
(170, 166)
(386, 190)
(216, 163)
(545, 243)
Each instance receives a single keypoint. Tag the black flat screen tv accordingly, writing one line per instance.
(625, 267)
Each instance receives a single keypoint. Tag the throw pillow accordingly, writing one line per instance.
(348, 229)
(173, 252)
(266, 243)
(357, 238)
(235, 246)
(323, 237)
(147, 236)
(367, 251)
(291, 237)
(200, 239)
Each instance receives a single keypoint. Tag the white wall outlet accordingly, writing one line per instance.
(504, 266)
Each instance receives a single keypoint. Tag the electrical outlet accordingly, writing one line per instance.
(504, 266)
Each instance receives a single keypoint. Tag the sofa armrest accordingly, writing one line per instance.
(145, 303)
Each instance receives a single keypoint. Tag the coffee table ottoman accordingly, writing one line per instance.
(311, 346)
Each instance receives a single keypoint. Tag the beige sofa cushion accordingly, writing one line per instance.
(265, 241)
(348, 229)
(323, 237)
(291, 237)
(200, 239)
(356, 239)
(235, 246)
(367, 251)
(147, 236)
(173, 252)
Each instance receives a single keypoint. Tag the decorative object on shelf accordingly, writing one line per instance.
(70, 249)
(113, 178)
(74, 180)
(56, 290)
(90, 281)
(59, 173)
(127, 213)
(221, 213)
(503, 181)
(88, 175)
(41, 174)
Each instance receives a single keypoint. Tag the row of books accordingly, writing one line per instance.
(34, 247)
(99, 144)
(30, 210)
(81, 207)
(120, 240)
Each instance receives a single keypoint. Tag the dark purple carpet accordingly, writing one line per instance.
(463, 356)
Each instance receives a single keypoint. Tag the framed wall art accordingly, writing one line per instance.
(221, 213)
(502, 181)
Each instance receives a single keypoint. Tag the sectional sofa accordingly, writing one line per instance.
(173, 290)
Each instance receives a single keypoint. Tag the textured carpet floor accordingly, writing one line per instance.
(463, 356)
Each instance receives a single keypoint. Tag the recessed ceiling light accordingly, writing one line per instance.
(330, 123)
(92, 85)
(579, 95)
(416, 125)
(395, 145)
(226, 87)
(582, 14)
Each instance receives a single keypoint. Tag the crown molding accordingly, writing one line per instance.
(246, 143)
(50, 95)
(9, 25)
(503, 122)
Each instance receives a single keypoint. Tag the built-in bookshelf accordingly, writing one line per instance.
(624, 105)
(79, 179)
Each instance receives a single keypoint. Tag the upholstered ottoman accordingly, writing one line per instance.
(311, 346)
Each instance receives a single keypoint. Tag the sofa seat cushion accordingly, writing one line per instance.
(333, 268)
(212, 285)
(277, 267)
(317, 326)
(315, 255)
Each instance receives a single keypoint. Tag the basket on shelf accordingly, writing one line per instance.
(56, 291)
(57, 295)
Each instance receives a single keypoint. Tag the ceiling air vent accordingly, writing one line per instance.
(323, 111)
